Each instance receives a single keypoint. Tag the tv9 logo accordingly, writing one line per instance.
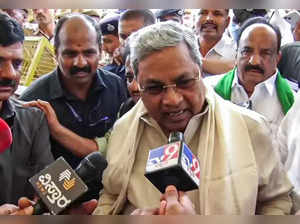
(164, 153)
(190, 162)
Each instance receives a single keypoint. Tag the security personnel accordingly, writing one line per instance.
(110, 43)
(169, 14)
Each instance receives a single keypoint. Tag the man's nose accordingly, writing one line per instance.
(171, 97)
(209, 17)
(8, 71)
(80, 61)
(255, 59)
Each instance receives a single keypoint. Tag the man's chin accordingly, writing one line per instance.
(255, 75)
(175, 127)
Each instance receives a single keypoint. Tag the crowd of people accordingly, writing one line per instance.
(224, 82)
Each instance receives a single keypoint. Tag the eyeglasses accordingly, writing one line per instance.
(183, 84)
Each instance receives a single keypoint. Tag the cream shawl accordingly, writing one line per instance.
(241, 173)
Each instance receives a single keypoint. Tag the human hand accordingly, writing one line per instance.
(175, 202)
(86, 208)
(24, 207)
(149, 211)
(48, 110)
(8, 209)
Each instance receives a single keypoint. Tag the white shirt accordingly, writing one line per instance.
(264, 99)
(289, 142)
(224, 48)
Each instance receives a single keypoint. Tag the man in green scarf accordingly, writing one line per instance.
(255, 82)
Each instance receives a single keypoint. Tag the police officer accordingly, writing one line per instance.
(110, 43)
(169, 14)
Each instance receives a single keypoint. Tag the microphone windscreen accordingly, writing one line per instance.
(91, 167)
(5, 136)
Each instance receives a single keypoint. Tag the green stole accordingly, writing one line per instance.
(284, 92)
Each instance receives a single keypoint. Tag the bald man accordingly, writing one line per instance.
(255, 82)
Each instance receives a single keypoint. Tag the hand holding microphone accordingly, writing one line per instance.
(59, 187)
(26, 207)
(175, 203)
(172, 169)
(172, 202)
(173, 164)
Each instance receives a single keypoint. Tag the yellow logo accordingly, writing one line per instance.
(68, 184)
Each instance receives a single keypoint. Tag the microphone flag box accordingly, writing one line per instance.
(58, 185)
(173, 164)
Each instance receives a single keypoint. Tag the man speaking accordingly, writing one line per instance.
(240, 172)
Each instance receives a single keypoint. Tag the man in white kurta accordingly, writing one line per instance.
(255, 82)
(240, 173)
(289, 139)
(217, 49)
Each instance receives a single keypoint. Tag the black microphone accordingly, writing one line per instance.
(173, 164)
(59, 186)
(90, 170)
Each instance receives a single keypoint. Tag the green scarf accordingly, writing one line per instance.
(284, 92)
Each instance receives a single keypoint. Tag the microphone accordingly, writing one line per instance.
(59, 186)
(173, 164)
(5, 136)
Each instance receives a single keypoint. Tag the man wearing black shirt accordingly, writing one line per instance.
(80, 101)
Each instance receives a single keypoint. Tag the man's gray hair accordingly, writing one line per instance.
(158, 36)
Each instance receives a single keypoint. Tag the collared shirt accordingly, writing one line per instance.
(39, 32)
(137, 185)
(29, 153)
(224, 48)
(223, 132)
(263, 100)
(119, 70)
(90, 118)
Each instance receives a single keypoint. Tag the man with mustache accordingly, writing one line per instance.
(255, 82)
(80, 101)
(30, 151)
(216, 47)
(45, 21)
(240, 172)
